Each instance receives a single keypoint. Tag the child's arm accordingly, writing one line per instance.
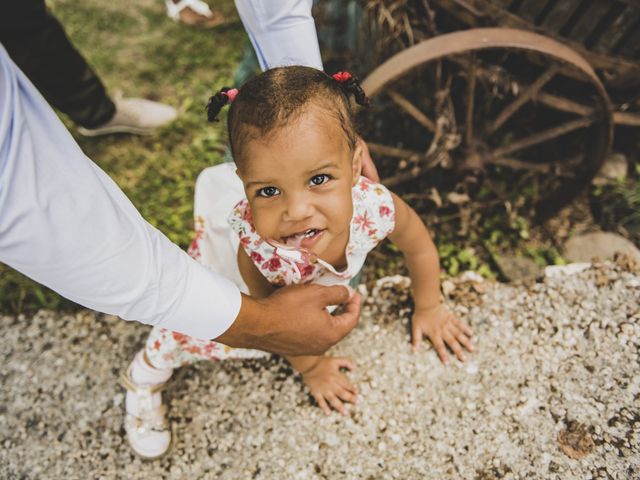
(431, 318)
(259, 286)
(322, 375)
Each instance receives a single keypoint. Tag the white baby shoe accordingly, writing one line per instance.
(148, 430)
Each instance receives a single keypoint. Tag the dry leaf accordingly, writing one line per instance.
(458, 198)
(575, 441)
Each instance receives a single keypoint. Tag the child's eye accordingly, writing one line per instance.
(320, 179)
(268, 192)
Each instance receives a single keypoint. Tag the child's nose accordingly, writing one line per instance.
(299, 207)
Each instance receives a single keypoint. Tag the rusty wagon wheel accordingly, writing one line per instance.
(512, 111)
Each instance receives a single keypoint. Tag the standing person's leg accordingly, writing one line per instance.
(37, 43)
(282, 33)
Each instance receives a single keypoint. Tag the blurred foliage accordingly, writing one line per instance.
(136, 49)
(616, 206)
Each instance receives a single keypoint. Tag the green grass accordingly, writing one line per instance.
(135, 48)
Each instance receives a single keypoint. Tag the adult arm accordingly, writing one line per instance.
(67, 225)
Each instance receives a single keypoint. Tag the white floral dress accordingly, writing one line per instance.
(219, 234)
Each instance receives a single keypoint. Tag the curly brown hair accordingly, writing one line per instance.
(277, 97)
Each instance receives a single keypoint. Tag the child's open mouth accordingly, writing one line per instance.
(303, 239)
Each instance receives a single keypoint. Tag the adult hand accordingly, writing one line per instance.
(369, 169)
(293, 320)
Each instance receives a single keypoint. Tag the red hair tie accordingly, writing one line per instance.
(231, 94)
(341, 77)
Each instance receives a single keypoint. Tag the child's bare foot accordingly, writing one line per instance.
(329, 386)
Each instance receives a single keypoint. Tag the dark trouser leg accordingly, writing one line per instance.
(37, 43)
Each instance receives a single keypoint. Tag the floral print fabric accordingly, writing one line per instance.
(373, 219)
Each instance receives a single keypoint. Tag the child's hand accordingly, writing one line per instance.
(442, 327)
(329, 386)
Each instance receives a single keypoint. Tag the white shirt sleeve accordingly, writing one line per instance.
(282, 32)
(67, 225)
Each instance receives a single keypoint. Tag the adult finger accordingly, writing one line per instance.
(438, 344)
(333, 295)
(369, 169)
(322, 403)
(336, 404)
(348, 318)
(453, 344)
(416, 337)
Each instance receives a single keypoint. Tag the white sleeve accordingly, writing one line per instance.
(282, 32)
(67, 225)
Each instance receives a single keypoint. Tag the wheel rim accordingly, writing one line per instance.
(564, 64)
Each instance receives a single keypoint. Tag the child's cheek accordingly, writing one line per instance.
(265, 226)
(340, 209)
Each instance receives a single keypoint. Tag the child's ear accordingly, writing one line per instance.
(356, 162)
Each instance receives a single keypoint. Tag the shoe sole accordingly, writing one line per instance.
(115, 129)
(157, 457)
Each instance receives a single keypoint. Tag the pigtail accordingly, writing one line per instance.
(351, 86)
(216, 102)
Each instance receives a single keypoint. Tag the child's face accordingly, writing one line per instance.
(298, 182)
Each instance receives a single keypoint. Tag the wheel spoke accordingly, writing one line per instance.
(396, 152)
(417, 171)
(563, 104)
(438, 75)
(548, 99)
(516, 164)
(626, 118)
(471, 91)
(561, 168)
(543, 136)
(400, 178)
(527, 94)
(412, 110)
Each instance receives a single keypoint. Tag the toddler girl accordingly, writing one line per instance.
(293, 209)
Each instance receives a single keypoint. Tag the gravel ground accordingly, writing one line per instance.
(551, 392)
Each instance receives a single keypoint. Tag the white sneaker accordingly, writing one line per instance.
(194, 12)
(134, 115)
(147, 428)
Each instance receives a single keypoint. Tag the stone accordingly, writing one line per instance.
(545, 353)
(517, 268)
(613, 169)
(602, 245)
(556, 271)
